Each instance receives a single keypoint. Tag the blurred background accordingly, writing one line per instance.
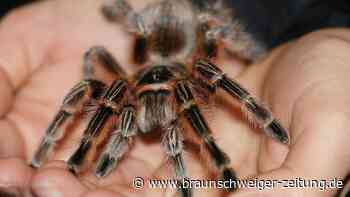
(6, 5)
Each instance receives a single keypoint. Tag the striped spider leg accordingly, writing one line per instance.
(222, 25)
(192, 113)
(87, 91)
(109, 105)
(119, 142)
(73, 104)
(214, 78)
(120, 11)
(173, 143)
(118, 145)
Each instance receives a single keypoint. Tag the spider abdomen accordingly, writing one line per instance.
(168, 39)
(167, 34)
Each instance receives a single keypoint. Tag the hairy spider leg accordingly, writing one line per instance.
(173, 143)
(262, 116)
(227, 28)
(73, 103)
(193, 115)
(237, 41)
(209, 47)
(119, 142)
(117, 10)
(99, 56)
(120, 11)
(109, 105)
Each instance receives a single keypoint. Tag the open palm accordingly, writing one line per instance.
(41, 56)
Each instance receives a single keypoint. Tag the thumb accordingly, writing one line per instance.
(319, 155)
(14, 71)
(318, 160)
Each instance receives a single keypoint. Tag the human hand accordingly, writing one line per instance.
(306, 87)
(41, 57)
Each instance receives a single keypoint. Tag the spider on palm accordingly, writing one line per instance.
(174, 41)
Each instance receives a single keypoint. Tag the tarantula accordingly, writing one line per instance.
(174, 41)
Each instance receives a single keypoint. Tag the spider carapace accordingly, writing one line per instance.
(174, 41)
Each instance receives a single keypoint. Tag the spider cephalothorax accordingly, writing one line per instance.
(174, 41)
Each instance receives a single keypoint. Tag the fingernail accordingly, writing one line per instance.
(10, 192)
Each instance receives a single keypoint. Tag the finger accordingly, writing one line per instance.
(11, 60)
(11, 144)
(55, 180)
(315, 89)
(7, 93)
(15, 68)
(15, 176)
(317, 97)
(312, 158)
(15, 62)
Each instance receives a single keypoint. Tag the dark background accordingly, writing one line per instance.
(276, 21)
(272, 21)
(6, 5)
